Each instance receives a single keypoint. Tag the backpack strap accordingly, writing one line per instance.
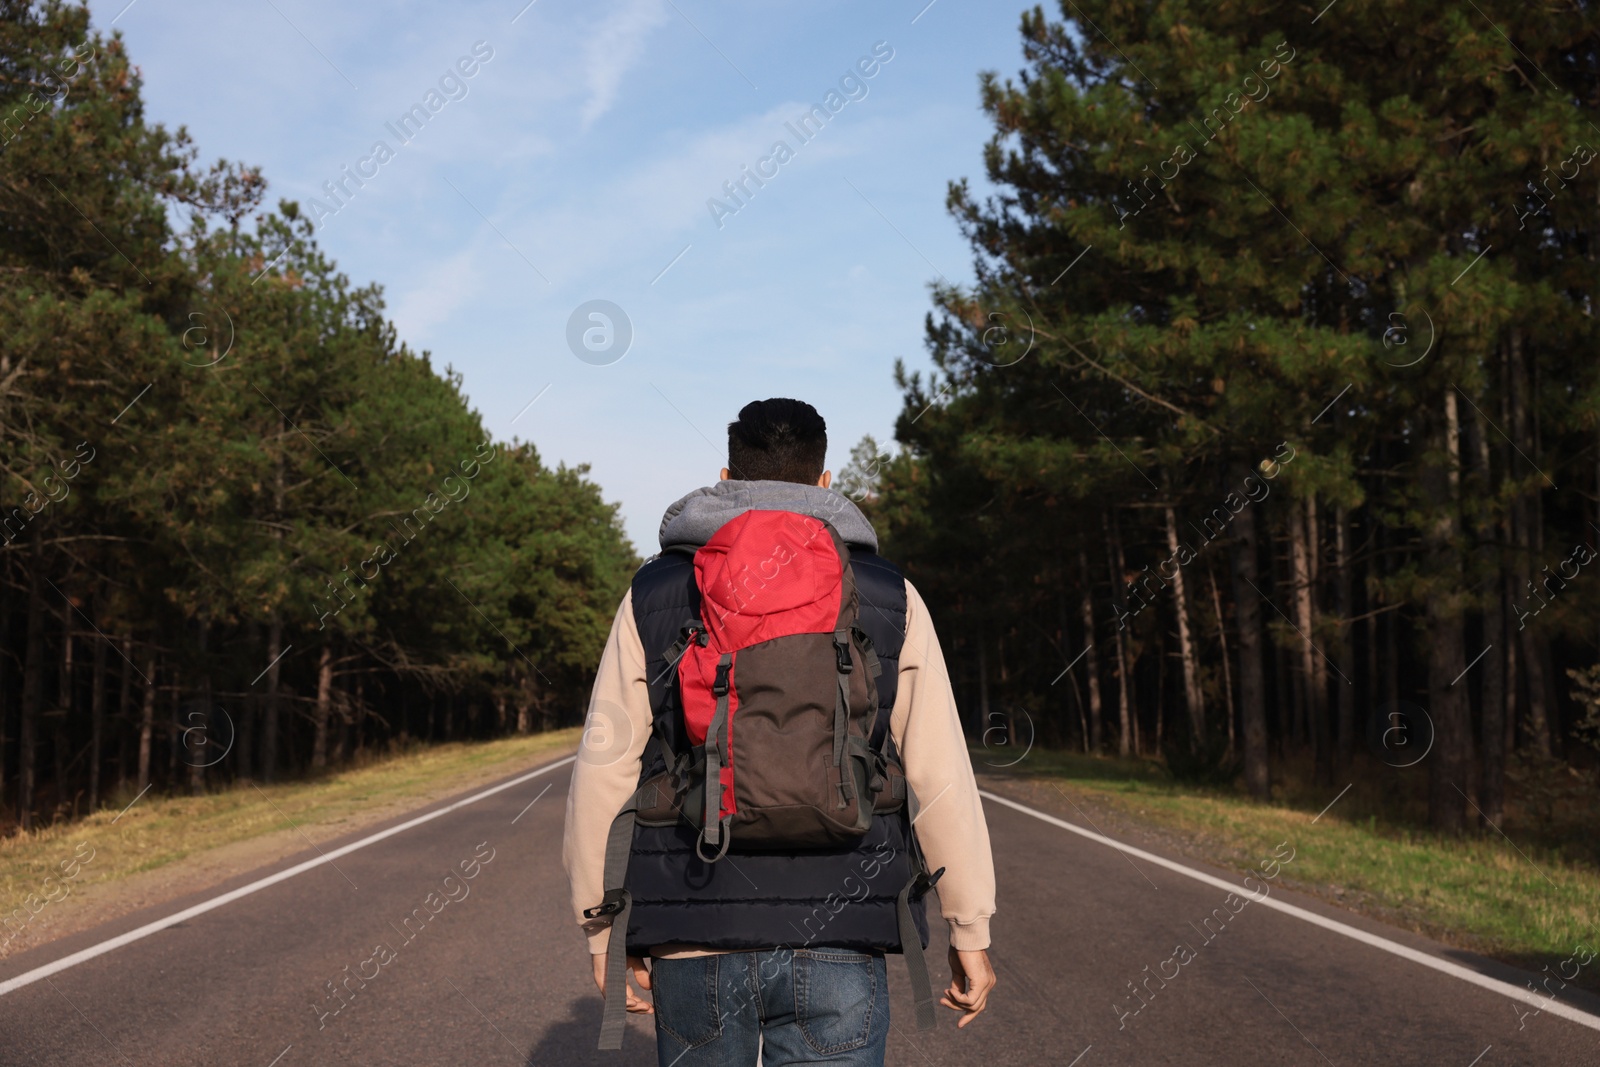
(841, 707)
(617, 902)
(874, 665)
(910, 940)
(714, 829)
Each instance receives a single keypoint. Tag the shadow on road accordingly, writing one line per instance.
(1544, 976)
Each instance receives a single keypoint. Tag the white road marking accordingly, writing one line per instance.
(1493, 985)
(55, 967)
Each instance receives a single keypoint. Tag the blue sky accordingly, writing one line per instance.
(579, 165)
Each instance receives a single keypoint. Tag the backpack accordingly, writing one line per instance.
(776, 694)
(776, 689)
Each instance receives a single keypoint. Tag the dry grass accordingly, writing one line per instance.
(216, 835)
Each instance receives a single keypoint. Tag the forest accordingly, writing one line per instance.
(1268, 441)
(247, 532)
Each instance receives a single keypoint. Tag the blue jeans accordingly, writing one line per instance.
(817, 1005)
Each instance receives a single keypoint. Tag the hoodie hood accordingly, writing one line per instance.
(694, 518)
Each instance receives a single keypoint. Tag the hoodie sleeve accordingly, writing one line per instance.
(926, 727)
(615, 731)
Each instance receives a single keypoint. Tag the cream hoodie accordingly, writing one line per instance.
(924, 724)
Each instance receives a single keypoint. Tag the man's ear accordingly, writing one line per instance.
(724, 474)
(826, 480)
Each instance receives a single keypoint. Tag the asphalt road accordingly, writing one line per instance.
(499, 976)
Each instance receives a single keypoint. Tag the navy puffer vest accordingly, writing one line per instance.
(758, 900)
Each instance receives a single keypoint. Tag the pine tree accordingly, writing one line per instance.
(1275, 262)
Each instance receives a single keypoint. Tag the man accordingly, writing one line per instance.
(772, 953)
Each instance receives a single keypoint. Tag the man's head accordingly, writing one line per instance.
(778, 440)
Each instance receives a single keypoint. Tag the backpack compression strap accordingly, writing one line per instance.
(617, 903)
(714, 830)
(841, 707)
(910, 939)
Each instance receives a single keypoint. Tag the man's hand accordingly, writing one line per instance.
(641, 976)
(971, 979)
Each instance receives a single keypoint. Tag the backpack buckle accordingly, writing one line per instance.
(720, 686)
(841, 651)
(924, 882)
(610, 904)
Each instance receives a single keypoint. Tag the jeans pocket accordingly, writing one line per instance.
(685, 995)
(836, 997)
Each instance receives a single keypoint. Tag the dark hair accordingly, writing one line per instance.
(778, 440)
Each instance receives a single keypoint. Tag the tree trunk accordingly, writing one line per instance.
(147, 720)
(269, 727)
(1525, 534)
(1492, 730)
(524, 703)
(97, 713)
(1372, 627)
(1193, 697)
(1227, 670)
(1391, 636)
(175, 728)
(1320, 722)
(1064, 642)
(1134, 654)
(1125, 732)
(358, 712)
(319, 738)
(124, 703)
(1551, 679)
(1129, 655)
(1442, 633)
(1345, 648)
(197, 753)
(338, 723)
(32, 691)
(1314, 674)
(1007, 714)
(244, 736)
(1302, 550)
(983, 685)
(1513, 683)
(60, 740)
(1252, 678)
(1533, 666)
(1091, 660)
(1161, 686)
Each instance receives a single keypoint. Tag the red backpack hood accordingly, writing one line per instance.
(765, 574)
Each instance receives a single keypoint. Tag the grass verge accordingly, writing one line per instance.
(46, 875)
(1520, 901)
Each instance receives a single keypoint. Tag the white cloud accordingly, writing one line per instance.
(613, 48)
